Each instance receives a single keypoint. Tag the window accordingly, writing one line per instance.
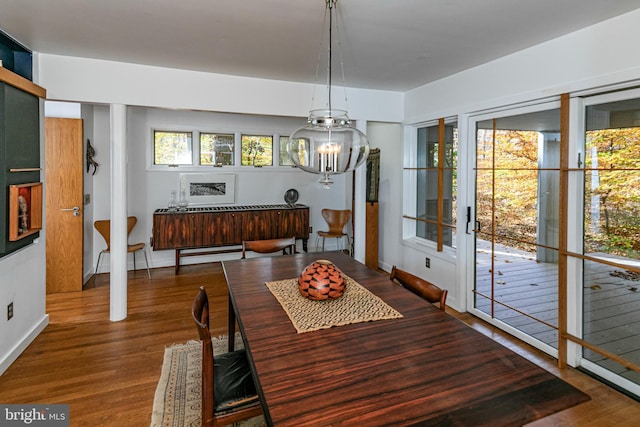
(172, 148)
(285, 160)
(216, 149)
(257, 150)
(436, 163)
(611, 244)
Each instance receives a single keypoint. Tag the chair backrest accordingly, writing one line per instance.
(200, 314)
(269, 245)
(336, 219)
(420, 287)
(104, 228)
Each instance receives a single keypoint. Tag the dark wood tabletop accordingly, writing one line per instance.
(427, 368)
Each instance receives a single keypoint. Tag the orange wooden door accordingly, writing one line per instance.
(64, 196)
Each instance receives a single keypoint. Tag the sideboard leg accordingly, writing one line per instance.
(177, 261)
(304, 244)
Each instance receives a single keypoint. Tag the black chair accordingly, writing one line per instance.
(228, 391)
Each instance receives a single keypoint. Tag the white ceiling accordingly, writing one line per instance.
(391, 45)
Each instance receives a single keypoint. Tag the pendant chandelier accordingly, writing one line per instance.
(328, 144)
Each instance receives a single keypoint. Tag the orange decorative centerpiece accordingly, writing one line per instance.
(321, 280)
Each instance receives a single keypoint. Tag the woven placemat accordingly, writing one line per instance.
(356, 305)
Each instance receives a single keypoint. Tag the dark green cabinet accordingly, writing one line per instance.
(19, 154)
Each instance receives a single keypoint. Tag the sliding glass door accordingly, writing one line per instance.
(517, 164)
(611, 254)
(556, 229)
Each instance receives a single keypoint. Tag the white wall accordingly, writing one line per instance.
(86, 113)
(23, 282)
(388, 137)
(598, 55)
(95, 81)
(587, 59)
(149, 189)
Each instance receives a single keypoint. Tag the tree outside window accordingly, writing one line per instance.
(257, 150)
(436, 178)
(216, 149)
(172, 148)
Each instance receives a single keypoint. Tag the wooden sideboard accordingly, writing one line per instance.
(217, 227)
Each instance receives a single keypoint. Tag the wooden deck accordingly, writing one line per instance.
(611, 302)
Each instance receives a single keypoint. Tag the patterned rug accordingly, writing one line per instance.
(177, 398)
(356, 305)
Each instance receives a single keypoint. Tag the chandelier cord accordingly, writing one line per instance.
(319, 60)
(331, 3)
(338, 38)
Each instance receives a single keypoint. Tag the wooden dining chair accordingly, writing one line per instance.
(336, 219)
(228, 391)
(420, 287)
(104, 228)
(269, 246)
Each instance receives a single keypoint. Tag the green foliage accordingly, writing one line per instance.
(257, 150)
(612, 182)
(172, 148)
(511, 191)
(508, 177)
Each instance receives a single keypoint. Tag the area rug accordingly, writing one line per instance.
(177, 398)
(356, 305)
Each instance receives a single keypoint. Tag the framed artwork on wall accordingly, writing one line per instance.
(208, 188)
(25, 210)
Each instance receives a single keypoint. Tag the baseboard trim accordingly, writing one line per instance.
(17, 350)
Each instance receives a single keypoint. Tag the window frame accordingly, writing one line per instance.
(410, 180)
(233, 150)
(276, 136)
(175, 130)
(257, 135)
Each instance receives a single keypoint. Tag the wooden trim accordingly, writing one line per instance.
(21, 83)
(25, 169)
(371, 238)
(35, 210)
(562, 228)
(629, 267)
(609, 355)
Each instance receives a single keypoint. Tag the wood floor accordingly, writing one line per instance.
(108, 371)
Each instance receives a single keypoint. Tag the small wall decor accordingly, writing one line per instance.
(373, 175)
(91, 152)
(25, 210)
(208, 188)
(291, 197)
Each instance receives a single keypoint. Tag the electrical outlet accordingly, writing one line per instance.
(427, 262)
(310, 230)
(10, 311)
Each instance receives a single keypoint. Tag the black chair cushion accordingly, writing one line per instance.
(233, 383)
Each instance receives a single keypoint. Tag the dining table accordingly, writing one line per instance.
(414, 365)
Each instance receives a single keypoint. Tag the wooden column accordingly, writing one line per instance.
(371, 249)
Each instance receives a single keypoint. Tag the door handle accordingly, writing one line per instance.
(75, 209)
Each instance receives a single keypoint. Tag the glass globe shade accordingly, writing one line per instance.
(328, 145)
